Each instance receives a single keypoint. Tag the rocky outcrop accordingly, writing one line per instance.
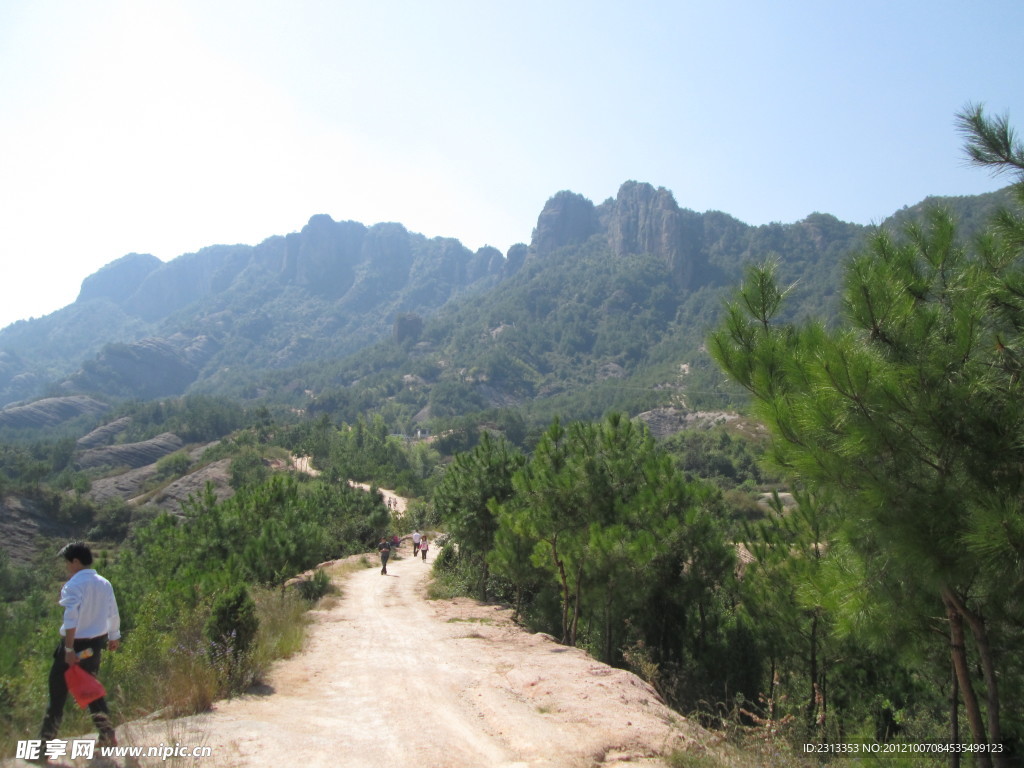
(664, 422)
(640, 220)
(103, 435)
(119, 280)
(150, 368)
(22, 523)
(132, 455)
(124, 486)
(188, 279)
(141, 486)
(50, 411)
(643, 219)
(174, 496)
(136, 486)
(567, 219)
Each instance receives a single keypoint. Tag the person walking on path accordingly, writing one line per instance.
(91, 621)
(415, 542)
(423, 547)
(385, 551)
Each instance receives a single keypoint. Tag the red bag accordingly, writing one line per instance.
(83, 686)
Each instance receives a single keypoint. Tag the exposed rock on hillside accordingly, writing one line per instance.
(135, 485)
(664, 422)
(567, 219)
(50, 411)
(125, 486)
(119, 279)
(22, 523)
(133, 454)
(148, 368)
(104, 435)
(172, 497)
(643, 219)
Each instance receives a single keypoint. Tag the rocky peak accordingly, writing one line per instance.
(643, 219)
(567, 219)
(119, 279)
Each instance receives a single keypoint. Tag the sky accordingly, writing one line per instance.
(164, 127)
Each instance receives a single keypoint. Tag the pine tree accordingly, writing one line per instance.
(911, 417)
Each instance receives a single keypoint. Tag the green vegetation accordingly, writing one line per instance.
(878, 601)
(903, 426)
(199, 594)
(588, 538)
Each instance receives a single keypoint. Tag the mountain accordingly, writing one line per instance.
(143, 328)
(609, 302)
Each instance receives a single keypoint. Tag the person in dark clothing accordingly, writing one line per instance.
(385, 552)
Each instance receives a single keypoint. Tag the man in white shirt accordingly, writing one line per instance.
(90, 621)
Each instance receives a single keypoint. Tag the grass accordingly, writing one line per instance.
(170, 674)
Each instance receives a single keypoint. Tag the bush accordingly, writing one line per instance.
(173, 465)
(314, 588)
(232, 625)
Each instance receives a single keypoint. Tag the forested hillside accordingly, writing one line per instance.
(841, 568)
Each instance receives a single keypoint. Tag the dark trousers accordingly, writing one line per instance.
(384, 553)
(59, 690)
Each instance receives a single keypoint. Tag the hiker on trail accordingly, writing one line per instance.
(415, 542)
(385, 551)
(91, 623)
(423, 547)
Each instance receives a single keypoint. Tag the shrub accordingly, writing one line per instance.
(232, 625)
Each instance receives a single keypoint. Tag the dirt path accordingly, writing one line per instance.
(396, 503)
(388, 676)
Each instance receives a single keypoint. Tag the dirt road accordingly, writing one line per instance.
(389, 677)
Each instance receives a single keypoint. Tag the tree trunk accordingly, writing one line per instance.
(565, 594)
(954, 719)
(959, 654)
(812, 703)
(576, 605)
(988, 668)
(608, 625)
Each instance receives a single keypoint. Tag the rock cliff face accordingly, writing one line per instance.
(187, 280)
(567, 219)
(640, 220)
(144, 328)
(148, 368)
(22, 522)
(131, 455)
(174, 496)
(119, 279)
(104, 434)
(50, 411)
(643, 219)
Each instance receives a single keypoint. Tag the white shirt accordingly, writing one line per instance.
(89, 606)
(416, 538)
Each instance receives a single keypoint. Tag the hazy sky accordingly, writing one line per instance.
(163, 127)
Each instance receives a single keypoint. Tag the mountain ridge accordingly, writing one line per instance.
(227, 314)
